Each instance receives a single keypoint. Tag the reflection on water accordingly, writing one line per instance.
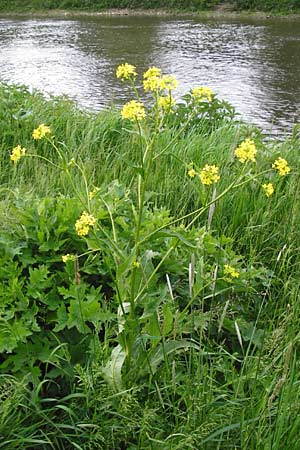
(253, 65)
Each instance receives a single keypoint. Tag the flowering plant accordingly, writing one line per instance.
(125, 264)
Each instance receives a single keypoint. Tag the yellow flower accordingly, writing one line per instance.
(40, 132)
(231, 271)
(202, 93)
(192, 173)
(93, 193)
(152, 72)
(84, 223)
(68, 257)
(209, 175)
(168, 82)
(268, 188)
(152, 83)
(126, 71)
(282, 166)
(133, 110)
(166, 103)
(246, 151)
(17, 153)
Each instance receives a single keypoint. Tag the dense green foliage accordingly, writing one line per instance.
(268, 5)
(105, 4)
(207, 360)
(263, 5)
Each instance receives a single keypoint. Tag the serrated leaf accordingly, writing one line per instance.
(12, 334)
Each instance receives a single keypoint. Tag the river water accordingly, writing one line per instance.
(253, 64)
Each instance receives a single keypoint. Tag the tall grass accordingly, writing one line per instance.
(109, 152)
(245, 399)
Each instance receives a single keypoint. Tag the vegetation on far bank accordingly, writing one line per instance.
(149, 275)
(284, 6)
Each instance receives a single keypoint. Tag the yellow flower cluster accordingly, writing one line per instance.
(209, 175)
(202, 93)
(152, 84)
(281, 165)
(17, 153)
(246, 151)
(268, 188)
(126, 71)
(68, 257)
(153, 81)
(231, 271)
(152, 72)
(133, 110)
(84, 223)
(166, 102)
(40, 132)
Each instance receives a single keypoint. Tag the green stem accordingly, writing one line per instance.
(142, 185)
(198, 213)
(55, 148)
(175, 137)
(44, 159)
(131, 80)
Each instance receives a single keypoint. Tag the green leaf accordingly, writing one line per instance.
(12, 334)
(178, 236)
(112, 372)
(168, 319)
(62, 318)
(84, 307)
(38, 281)
(166, 349)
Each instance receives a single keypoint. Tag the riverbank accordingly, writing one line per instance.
(215, 14)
